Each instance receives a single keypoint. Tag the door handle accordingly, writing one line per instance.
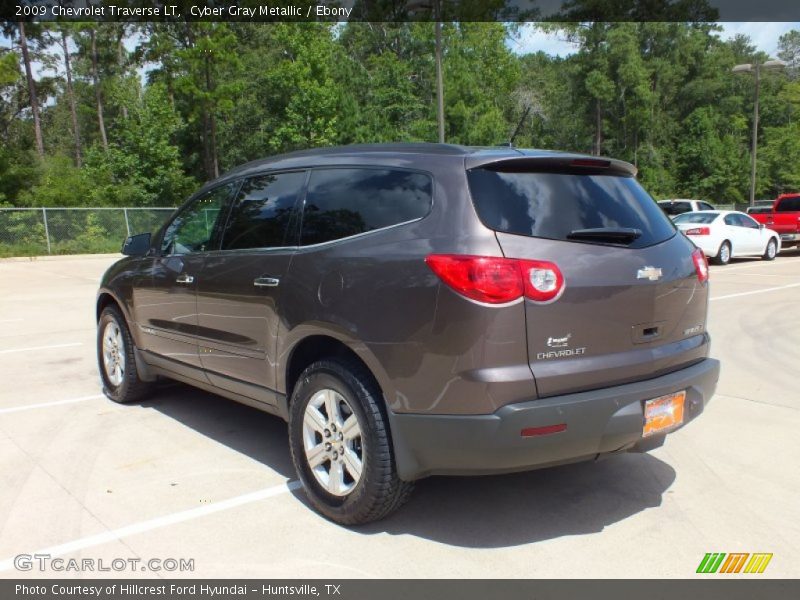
(184, 279)
(266, 282)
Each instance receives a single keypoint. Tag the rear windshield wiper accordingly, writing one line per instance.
(615, 235)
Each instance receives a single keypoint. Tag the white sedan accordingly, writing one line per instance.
(723, 234)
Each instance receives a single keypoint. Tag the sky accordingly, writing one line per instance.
(763, 35)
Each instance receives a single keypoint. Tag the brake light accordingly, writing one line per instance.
(698, 231)
(590, 162)
(496, 280)
(700, 265)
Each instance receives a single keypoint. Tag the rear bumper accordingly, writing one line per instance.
(598, 422)
(790, 238)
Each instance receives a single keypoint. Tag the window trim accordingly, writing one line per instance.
(371, 231)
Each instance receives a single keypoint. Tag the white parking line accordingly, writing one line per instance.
(179, 517)
(765, 290)
(716, 270)
(14, 409)
(31, 348)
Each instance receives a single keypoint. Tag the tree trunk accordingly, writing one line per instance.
(207, 166)
(98, 93)
(37, 124)
(598, 132)
(122, 66)
(71, 97)
(212, 123)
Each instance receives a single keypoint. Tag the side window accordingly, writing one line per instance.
(345, 202)
(262, 212)
(193, 229)
(705, 206)
(748, 222)
(731, 220)
(790, 204)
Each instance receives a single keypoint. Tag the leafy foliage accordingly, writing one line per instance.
(194, 99)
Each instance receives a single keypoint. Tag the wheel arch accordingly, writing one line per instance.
(325, 344)
(105, 299)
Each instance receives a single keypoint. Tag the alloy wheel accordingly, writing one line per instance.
(332, 442)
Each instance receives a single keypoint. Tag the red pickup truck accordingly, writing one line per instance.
(784, 219)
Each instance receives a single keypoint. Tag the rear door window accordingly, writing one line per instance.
(343, 202)
(263, 212)
(551, 205)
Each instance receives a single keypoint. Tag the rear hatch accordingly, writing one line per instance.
(632, 307)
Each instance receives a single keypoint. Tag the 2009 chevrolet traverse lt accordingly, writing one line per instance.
(419, 309)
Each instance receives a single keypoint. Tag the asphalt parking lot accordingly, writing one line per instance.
(189, 475)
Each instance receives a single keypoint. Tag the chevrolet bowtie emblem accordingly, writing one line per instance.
(651, 273)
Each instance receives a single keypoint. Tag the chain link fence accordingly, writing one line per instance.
(38, 231)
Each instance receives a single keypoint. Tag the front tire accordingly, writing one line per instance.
(340, 444)
(771, 251)
(116, 359)
(723, 256)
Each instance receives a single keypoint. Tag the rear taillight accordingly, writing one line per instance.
(698, 231)
(495, 280)
(700, 265)
(543, 280)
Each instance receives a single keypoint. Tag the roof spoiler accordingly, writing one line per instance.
(567, 163)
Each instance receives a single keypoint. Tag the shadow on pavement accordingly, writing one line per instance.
(251, 432)
(522, 508)
(475, 512)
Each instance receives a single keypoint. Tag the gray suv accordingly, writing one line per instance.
(420, 309)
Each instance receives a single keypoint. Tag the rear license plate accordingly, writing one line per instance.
(663, 413)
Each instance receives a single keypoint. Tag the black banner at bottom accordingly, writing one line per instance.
(397, 589)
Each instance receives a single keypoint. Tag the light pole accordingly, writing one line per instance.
(756, 68)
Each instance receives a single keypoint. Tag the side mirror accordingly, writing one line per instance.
(137, 245)
(761, 226)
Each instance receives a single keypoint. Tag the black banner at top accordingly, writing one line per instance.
(400, 10)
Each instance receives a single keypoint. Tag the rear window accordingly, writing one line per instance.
(789, 205)
(675, 208)
(551, 205)
(696, 217)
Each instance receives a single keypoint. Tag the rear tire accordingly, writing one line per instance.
(341, 446)
(723, 256)
(116, 360)
(771, 251)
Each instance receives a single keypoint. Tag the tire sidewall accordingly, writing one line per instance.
(774, 245)
(115, 393)
(719, 254)
(331, 375)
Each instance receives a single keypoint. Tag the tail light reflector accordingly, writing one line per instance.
(546, 430)
(698, 231)
(496, 280)
(700, 265)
